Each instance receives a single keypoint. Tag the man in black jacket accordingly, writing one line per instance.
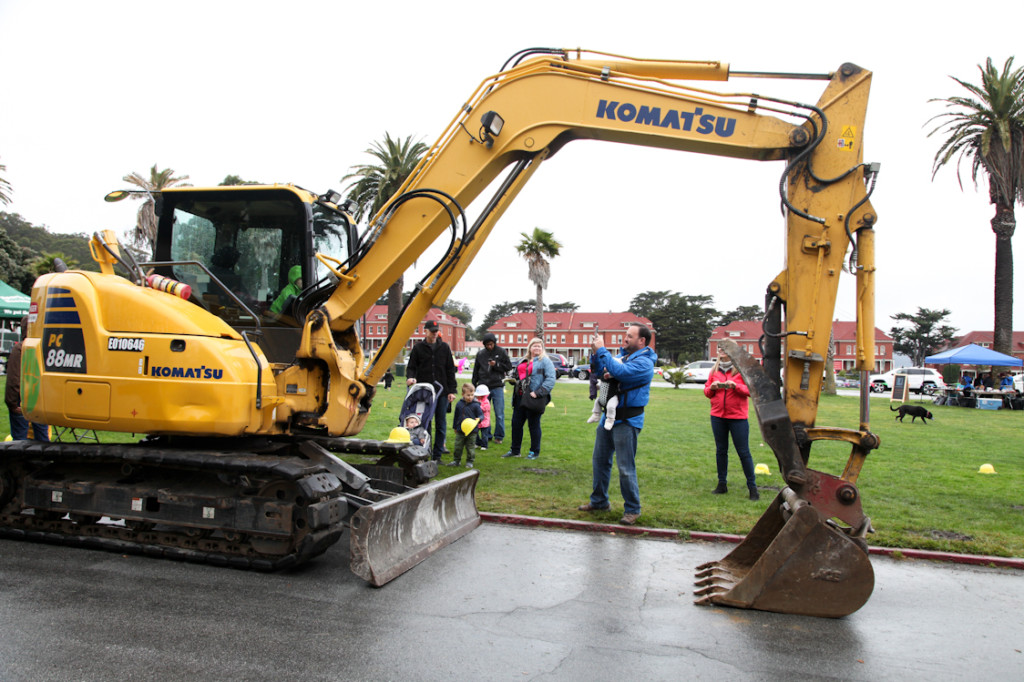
(491, 367)
(431, 362)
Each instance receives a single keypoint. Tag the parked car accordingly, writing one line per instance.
(560, 362)
(698, 372)
(919, 380)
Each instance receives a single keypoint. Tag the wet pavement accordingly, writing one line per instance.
(503, 603)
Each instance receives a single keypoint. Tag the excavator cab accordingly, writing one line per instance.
(249, 255)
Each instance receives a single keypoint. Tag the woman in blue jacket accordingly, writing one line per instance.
(541, 373)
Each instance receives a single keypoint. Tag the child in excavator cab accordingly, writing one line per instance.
(291, 290)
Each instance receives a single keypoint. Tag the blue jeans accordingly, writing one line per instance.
(740, 431)
(520, 416)
(498, 412)
(19, 429)
(620, 442)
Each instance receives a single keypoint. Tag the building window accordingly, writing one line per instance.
(588, 325)
(735, 334)
(563, 339)
(511, 324)
(575, 338)
(849, 349)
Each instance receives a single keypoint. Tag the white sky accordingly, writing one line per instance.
(295, 92)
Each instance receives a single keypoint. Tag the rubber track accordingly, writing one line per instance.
(165, 544)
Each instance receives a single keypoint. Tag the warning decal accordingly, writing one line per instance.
(847, 138)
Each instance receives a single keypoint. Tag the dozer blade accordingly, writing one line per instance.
(392, 536)
(801, 566)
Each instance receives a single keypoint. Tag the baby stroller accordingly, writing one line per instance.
(420, 402)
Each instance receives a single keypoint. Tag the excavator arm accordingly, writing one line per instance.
(807, 554)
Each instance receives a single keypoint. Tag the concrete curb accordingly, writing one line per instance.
(669, 534)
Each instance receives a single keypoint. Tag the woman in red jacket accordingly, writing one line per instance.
(729, 396)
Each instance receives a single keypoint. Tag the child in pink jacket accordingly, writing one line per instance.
(483, 433)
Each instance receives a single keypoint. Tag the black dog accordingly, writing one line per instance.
(914, 411)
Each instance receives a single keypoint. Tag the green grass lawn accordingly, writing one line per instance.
(921, 489)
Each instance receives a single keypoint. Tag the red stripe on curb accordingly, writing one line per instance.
(571, 524)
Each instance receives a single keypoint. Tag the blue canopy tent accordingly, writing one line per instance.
(972, 354)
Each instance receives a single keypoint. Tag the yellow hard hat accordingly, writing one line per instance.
(762, 469)
(986, 469)
(399, 434)
(8, 438)
(468, 425)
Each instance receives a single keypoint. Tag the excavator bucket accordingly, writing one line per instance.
(801, 565)
(391, 536)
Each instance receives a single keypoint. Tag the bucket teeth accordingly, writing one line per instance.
(711, 569)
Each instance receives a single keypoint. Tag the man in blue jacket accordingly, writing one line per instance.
(634, 369)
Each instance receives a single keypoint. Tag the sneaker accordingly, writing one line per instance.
(629, 519)
(510, 454)
(453, 463)
(481, 447)
(720, 490)
(754, 495)
(469, 465)
(532, 455)
(591, 508)
(498, 441)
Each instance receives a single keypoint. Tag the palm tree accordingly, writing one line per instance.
(536, 248)
(144, 234)
(988, 128)
(376, 185)
(5, 188)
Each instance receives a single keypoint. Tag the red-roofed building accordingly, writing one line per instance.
(566, 333)
(375, 329)
(984, 339)
(746, 334)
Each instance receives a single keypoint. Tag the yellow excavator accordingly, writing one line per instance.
(236, 350)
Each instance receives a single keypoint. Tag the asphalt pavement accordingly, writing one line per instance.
(503, 603)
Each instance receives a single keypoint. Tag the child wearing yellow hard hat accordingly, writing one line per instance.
(465, 421)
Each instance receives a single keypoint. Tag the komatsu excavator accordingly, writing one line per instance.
(248, 396)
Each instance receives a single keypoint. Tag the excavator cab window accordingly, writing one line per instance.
(248, 242)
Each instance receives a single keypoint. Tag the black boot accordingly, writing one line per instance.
(754, 495)
(720, 490)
